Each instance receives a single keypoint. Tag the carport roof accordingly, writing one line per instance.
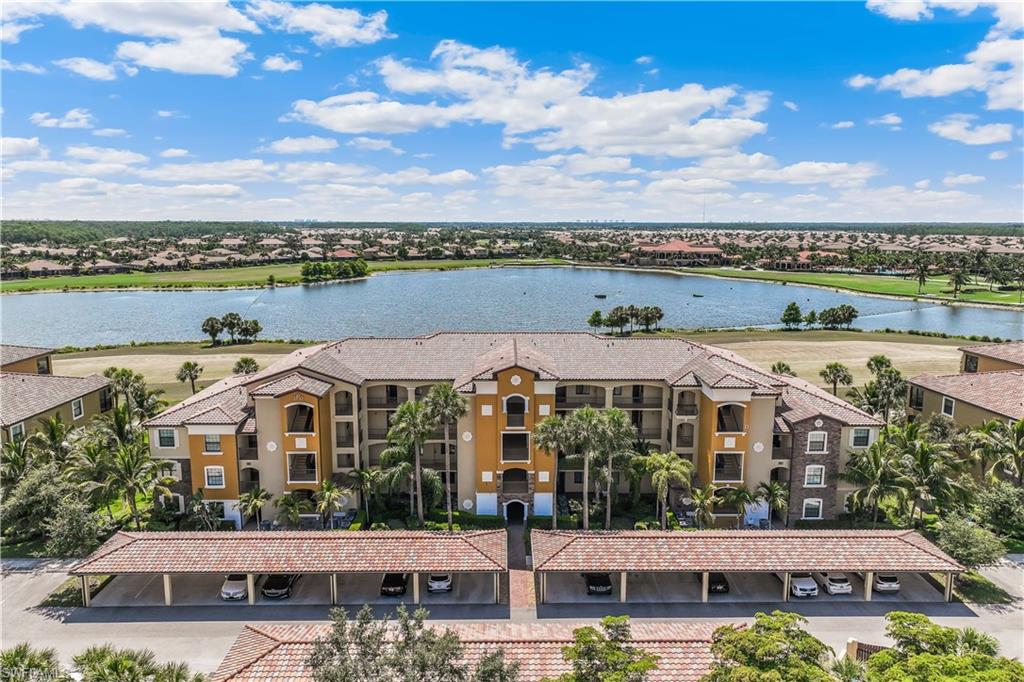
(298, 552)
(737, 551)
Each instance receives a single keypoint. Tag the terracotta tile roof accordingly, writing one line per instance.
(280, 652)
(10, 354)
(803, 400)
(745, 550)
(298, 552)
(678, 245)
(1010, 352)
(226, 393)
(997, 392)
(293, 382)
(23, 396)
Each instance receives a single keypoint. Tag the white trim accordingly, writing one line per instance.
(821, 509)
(21, 428)
(807, 471)
(288, 468)
(743, 465)
(823, 451)
(952, 406)
(81, 409)
(219, 442)
(206, 478)
(853, 436)
(174, 433)
(526, 402)
(529, 448)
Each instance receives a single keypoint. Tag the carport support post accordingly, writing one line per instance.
(705, 581)
(250, 587)
(543, 588)
(415, 588)
(785, 586)
(869, 583)
(86, 597)
(622, 586)
(497, 588)
(168, 592)
(949, 586)
(334, 589)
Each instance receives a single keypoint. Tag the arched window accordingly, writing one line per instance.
(515, 410)
(684, 436)
(299, 418)
(730, 418)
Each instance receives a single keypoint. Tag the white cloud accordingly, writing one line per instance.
(301, 145)
(174, 153)
(24, 67)
(10, 31)
(21, 147)
(840, 125)
(104, 154)
(197, 56)
(997, 155)
(961, 128)
(892, 120)
(860, 81)
(644, 59)
(327, 171)
(110, 132)
(764, 168)
(962, 179)
(329, 26)
(73, 118)
(232, 170)
(169, 113)
(375, 144)
(90, 68)
(923, 184)
(280, 62)
(792, 106)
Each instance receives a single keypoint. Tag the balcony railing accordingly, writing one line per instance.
(248, 453)
(684, 442)
(343, 409)
(574, 402)
(780, 453)
(727, 473)
(344, 440)
(649, 433)
(629, 402)
(515, 486)
(377, 434)
(515, 420)
(344, 460)
(248, 486)
(302, 474)
(686, 409)
(377, 402)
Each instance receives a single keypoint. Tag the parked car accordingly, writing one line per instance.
(344, 519)
(393, 584)
(439, 582)
(802, 585)
(835, 583)
(717, 582)
(235, 587)
(887, 582)
(279, 586)
(598, 583)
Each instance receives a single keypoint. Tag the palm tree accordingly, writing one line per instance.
(245, 365)
(397, 463)
(133, 473)
(189, 371)
(875, 472)
(447, 406)
(617, 437)
(783, 368)
(366, 481)
(412, 424)
(586, 424)
(959, 278)
(53, 440)
(147, 401)
(123, 382)
(15, 459)
(116, 427)
(22, 663)
(927, 470)
(704, 501)
(90, 468)
(292, 507)
(847, 669)
(1007, 443)
(330, 498)
(667, 470)
(740, 497)
(775, 495)
(552, 435)
(836, 373)
(251, 503)
(922, 267)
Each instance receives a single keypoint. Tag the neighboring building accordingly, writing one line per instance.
(25, 359)
(324, 410)
(28, 399)
(992, 357)
(281, 652)
(678, 252)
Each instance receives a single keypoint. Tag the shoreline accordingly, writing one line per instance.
(928, 300)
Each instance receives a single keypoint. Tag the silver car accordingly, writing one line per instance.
(887, 582)
(235, 587)
(439, 582)
(835, 583)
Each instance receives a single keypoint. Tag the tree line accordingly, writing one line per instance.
(840, 317)
(322, 271)
(232, 324)
(648, 316)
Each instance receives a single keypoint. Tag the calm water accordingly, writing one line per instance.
(403, 304)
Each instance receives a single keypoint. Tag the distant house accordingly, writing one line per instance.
(153, 263)
(25, 359)
(344, 254)
(43, 268)
(232, 241)
(101, 266)
(271, 241)
(678, 252)
(28, 399)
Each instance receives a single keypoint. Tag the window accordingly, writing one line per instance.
(214, 477)
(43, 365)
(582, 390)
(302, 467)
(730, 419)
(970, 364)
(106, 401)
(947, 406)
(515, 447)
(812, 509)
(166, 438)
(860, 438)
(515, 411)
(728, 466)
(817, 441)
(17, 431)
(617, 390)
(577, 477)
(814, 476)
(684, 436)
(916, 397)
(77, 409)
(299, 418)
(211, 442)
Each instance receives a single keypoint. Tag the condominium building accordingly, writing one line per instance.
(321, 411)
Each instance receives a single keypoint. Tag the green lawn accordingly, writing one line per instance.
(233, 277)
(974, 588)
(936, 287)
(29, 549)
(69, 593)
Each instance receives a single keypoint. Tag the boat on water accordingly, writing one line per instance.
(698, 295)
(600, 295)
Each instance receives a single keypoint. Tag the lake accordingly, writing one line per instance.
(410, 303)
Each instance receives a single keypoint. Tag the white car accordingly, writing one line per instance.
(887, 582)
(802, 585)
(439, 582)
(835, 583)
(235, 587)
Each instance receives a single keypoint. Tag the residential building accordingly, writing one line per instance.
(321, 411)
(25, 359)
(27, 399)
(992, 357)
(678, 252)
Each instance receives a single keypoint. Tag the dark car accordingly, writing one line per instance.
(598, 583)
(279, 586)
(394, 584)
(716, 582)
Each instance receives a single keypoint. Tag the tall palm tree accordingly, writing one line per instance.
(740, 497)
(552, 435)
(251, 503)
(875, 472)
(366, 481)
(15, 460)
(447, 406)
(836, 373)
(115, 427)
(959, 278)
(704, 501)
(22, 663)
(245, 365)
(189, 371)
(53, 441)
(123, 382)
(397, 463)
(147, 401)
(617, 437)
(783, 368)
(775, 495)
(928, 471)
(586, 426)
(90, 469)
(292, 507)
(133, 473)
(412, 425)
(922, 267)
(330, 498)
(666, 470)
(1007, 443)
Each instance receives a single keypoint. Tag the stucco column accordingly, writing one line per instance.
(705, 582)
(869, 582)
(86, 596)
(785, 586)
(622, 586)
(949, 586)
(250, 588)
(168, 591)
(497, 588)
(415, 588)
(543, 588)
(334, 589)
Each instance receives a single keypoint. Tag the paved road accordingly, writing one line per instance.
(203, 635)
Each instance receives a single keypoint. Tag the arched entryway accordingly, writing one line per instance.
(515, 512)
(249, 479)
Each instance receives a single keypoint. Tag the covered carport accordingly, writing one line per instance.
(675, 566)
(336, 566)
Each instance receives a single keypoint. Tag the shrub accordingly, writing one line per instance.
(73, 531)
(1001, 509)
(971, 545)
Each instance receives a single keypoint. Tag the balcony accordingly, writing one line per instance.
(567, 398)
(515, 447)
(515, 487)
(344, 460)
(515, 421)
(686, 409)
(633, 403)
(649, 433)
(344, 435)
(377, 434)
(384, 402)
(302, 469)
(343, 408)
(728, 467)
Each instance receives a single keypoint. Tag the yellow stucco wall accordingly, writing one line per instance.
(711, 442)
(90, 405)
(994, 365)
(227, 458)
(26, 366)
(964, 414)
(314, 441)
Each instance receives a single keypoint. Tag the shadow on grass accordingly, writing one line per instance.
(975, 588)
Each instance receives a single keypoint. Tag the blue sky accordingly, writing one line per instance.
(765, 111)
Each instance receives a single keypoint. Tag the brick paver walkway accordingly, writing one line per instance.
(520, 577)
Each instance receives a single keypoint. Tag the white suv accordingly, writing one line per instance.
(887, 582)
(802, 585)
(235, 587)
(835, 583)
